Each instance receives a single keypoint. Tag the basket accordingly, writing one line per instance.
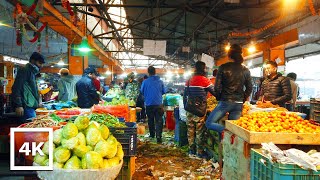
(262, 169)
(127, 136)
(81, 174)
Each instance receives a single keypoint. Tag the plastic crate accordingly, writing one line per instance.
(262, 169)
(127, 136)
(128, 168)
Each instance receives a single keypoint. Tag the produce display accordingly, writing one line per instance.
(40, 121)
(67, 113)
(83, 145)
(115, 110)
(106, 119)
(276, 121)
(122, 100)
(245, 109)
(211, 103)
(266, 105)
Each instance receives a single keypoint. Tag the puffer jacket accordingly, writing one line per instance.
(277, 90)
(199, 86)
(87, 93)
(230, 82)
(26, 80)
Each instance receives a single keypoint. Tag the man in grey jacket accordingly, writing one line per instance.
(66, 86)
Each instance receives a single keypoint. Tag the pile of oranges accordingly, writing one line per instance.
(276, 121)
(245, 109)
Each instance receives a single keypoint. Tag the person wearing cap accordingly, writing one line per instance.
(25, 95)
(132, 89)
(66, 86)
(86, 91)
(232, 88)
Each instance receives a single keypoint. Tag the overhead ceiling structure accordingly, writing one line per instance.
(190, 27)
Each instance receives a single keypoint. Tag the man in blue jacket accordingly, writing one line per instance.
(86, 91)
(152, 90)
(25, 95)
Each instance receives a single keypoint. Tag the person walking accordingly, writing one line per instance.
(86, 91)
(132, 89)
(198, 85)
(25, 95)
(275, 88)
(232, 88)
(66, 86)
(152, 90)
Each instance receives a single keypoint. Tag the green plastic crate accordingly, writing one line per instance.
(262, 169)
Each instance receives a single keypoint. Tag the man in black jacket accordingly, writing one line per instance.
(86, 91)
(25, 95)
(232, 88)
(275, 88)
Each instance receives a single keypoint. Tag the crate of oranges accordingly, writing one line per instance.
(278, 127)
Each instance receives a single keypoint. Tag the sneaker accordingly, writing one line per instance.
(159, 140)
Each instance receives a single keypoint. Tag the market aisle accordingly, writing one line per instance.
(169, 161)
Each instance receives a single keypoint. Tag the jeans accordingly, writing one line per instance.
(155, 121)
(219, 112)
(28, 113)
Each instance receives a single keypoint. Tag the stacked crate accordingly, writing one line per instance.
(315, 109)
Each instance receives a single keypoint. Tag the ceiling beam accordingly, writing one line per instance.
(138, 23)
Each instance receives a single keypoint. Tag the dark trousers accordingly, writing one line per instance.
(155, 121)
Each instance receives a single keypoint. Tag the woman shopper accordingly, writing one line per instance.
(232, 88)
(198, 85)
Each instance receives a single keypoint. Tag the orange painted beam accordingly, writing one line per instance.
(287, 38)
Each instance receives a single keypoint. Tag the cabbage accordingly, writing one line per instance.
(73, 163)
(70, 143)
(45, 148)
(101, 147)
(104, 131)
(111, 149)
(57, 136)
(92, 125)
(106, 163)
(69, 131)
(93, 160)
(114, 161)
(62, 155)
(93, 136)
(90, 148)
(120, 153)
(80, 150)
(82, 138)
(82, 122)
(84, 163)
(46, 162)
(57, 165)
(40, 159)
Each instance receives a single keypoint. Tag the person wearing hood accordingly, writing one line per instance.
(152, 90)
(132, 89)
(86, 91)
(66, 86)
(275, 88)
(25, 95)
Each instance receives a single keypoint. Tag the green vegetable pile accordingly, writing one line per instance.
(56, 118)
(122, 100)
(108, 120)
(82, 145)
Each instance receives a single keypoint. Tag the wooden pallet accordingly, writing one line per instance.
(276, 138)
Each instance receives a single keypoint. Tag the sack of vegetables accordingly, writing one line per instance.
(82, 150)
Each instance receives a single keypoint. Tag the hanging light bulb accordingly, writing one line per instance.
(108, 72)
(252, 48)
(227, 47)
(84, 46)
(61, 63)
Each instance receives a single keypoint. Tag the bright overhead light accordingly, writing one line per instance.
(61, 63)
(227, 47)
(252, 48)
(108, 72)
(84, 46)
(51, 66)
